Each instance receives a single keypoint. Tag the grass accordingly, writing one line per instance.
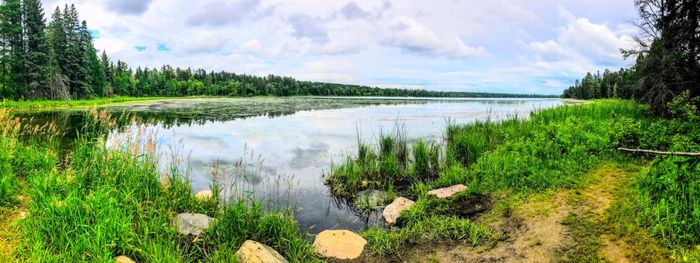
(99, 202)
(48, 105)
(548, 150)
(418, 227)
(552, 149)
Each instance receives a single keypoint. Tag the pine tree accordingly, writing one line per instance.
(108, 73)
(37, 58)
(88, 60)
(12, 49)
(71, 58)
(58, 43)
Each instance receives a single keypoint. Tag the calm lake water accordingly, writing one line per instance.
(282, 155)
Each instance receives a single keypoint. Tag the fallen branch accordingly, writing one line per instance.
(659, 152)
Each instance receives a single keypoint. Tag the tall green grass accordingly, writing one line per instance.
(394, 164)
(8, 145)
(419, 225)
(99, 202)
(668, 191)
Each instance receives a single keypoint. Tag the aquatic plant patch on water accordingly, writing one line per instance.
(174, 111)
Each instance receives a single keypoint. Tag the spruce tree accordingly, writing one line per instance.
(95, 73)
(58, 43)
(37, 50)
(108, 70)
(12, 49)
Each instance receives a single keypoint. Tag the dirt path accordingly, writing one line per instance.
(10, 229)
(551, 227)
(9, 237)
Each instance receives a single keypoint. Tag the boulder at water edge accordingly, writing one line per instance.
(339, 244)
(204, 195)
(192, 224)
(393, 210)
(447, 191)
(123, 259)
(254, 252)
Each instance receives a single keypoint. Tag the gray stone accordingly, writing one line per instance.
(393, 211)
(192, 224)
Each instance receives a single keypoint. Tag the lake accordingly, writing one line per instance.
(278, 149)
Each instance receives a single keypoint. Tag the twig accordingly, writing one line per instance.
(688, 154)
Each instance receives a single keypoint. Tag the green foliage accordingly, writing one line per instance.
(667, 62)
(8, 146)
(104, 202)
(418, 227)
(670, 196)
(396, 167)
(12, 56)
(36, 52)
(240, 222)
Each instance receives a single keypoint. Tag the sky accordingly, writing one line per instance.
(511, 46)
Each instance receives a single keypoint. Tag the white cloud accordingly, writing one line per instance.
(449, 45)
(411, 36)
(128, 7)
(220, 12)
(305, 26)
(581, 39)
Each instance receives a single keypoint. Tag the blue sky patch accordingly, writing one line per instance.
(95, 33)
(163, 47)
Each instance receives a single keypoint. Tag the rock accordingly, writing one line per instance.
(393, 210)
(123, 259)
(339, 244)
(254, 252)
(192, 224)
(204, 195)
(447, 191)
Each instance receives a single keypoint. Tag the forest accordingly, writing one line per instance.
(667, 59)
(59, 61)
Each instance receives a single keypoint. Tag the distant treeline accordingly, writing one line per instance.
(611, 84)
(59, 61)
(668, 59)
(169, 81)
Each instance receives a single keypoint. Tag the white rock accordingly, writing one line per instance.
(254, 252)
(204, 195)
(123, 259)
(192, 224)
(339, 244)
(447, 191)
(393, 210)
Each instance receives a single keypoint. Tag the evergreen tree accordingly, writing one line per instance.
(108, 73)
(37, 50)
(12, 49)
(91, 77)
